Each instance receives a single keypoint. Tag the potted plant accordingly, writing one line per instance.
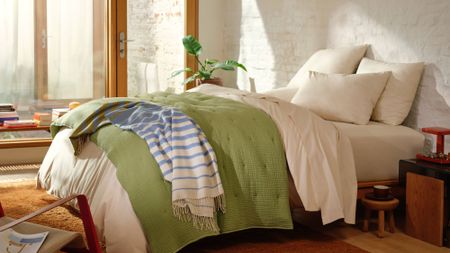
(207, 67)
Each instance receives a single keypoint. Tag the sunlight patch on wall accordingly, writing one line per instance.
(349, 24)
(398, 34)
(275, 38)
(253, 27)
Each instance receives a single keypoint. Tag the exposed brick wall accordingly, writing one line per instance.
(157, 27)
(275, 38)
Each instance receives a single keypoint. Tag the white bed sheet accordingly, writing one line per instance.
(93, 174)
(378, 147)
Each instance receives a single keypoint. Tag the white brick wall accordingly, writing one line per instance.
(157, 27)
(274, 38)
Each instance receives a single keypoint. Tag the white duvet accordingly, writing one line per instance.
(320, 161)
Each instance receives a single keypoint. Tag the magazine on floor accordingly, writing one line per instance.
(14, 242)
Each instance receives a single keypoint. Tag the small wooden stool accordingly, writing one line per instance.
(380, 206)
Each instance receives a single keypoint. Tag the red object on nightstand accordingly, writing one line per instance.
(440, 132)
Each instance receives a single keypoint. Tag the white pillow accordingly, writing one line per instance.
(284, 93)
(398, 96)
(339, 97)
(343, 60)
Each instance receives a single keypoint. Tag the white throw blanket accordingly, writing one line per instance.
(184, 156)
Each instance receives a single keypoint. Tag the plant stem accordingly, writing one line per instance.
(199, 62)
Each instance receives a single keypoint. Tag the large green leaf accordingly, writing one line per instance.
(211, 61)
(222, 65)
(205, 74)
(228, 65)
(191, 78)
(236, 64)
(177, 72)
(192, 45)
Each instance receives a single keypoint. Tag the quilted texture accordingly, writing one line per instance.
(251, 163)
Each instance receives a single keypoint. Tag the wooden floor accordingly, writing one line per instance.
(352, 234)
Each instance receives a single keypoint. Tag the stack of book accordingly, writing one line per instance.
(7, 112)
(7, 108)
(59, 112)
(42, 118)
(19, 123)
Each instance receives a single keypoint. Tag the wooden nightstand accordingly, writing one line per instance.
(427, 200)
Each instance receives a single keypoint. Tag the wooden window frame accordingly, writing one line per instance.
(115, 67)
(40, 49)
(191, 17)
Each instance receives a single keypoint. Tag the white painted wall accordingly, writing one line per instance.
(212, 21)
(274, 38)
(211, 18)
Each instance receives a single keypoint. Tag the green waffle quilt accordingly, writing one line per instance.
(250, 156)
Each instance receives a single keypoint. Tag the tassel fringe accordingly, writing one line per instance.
(184, 214)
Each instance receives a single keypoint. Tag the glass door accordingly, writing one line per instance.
(75, 49)
(150, 47)
(53, 52)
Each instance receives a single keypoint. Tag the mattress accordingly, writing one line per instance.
(377, 148)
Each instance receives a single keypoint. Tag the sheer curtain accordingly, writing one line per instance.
(70, 49)
(17, 52)
(69, 45)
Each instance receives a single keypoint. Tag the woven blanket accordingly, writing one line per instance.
(181, 150)
(250, 159)
(184, 156)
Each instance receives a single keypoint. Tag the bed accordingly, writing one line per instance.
(378, 147)
(329, 187)
(323, 162)
(92, 173)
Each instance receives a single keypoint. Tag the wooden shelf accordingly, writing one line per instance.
(25, 143)
(16, 129)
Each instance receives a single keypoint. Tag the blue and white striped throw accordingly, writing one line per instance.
(184, 155)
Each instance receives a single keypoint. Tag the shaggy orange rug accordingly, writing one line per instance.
(20, 199)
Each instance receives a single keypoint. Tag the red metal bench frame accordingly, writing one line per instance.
(85, 215)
